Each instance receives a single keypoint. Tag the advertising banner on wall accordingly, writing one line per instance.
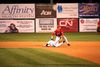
(17, 11)
(89, 10)
(67, 10)
(23, 26)
(88, 25)
(46, 25)
(68, 25)
(45, 11)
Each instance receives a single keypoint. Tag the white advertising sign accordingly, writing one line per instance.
(17, 11)
(23, 26)
(69, 10)
(88, 25)
(46, 25)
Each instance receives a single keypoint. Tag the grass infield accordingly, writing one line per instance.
(46, 36)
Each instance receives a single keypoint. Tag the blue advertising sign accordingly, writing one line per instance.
(89, 10)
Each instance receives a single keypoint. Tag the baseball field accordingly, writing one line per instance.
(28, 50)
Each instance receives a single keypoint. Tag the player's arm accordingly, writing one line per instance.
(53, 33)
(62, 33)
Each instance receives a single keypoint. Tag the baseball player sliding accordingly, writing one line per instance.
(59, 35)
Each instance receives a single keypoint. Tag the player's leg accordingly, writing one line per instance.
(59, 44)
(50, 43)
(57, 39)
(66, 40)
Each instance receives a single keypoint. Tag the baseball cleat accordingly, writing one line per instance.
(47, 45)
(68, 44)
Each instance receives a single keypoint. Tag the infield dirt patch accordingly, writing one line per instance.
(85, 50)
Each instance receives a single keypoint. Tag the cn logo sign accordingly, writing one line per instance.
(66, 22)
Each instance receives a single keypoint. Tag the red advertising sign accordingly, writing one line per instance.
(68, 25)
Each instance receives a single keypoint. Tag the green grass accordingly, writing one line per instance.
(46, 37)
(37, 57)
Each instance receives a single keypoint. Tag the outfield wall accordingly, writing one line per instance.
(43, 18)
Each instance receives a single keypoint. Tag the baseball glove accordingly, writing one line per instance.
(52, 38)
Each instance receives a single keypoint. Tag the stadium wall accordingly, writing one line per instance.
(44, 18)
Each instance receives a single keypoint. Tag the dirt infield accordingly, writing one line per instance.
(85, 50)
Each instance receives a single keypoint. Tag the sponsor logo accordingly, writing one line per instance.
(24, 26)
(88, 8)
(66, 23)
(45, 12)
(15, 9)
(82, 21)
(59, 8)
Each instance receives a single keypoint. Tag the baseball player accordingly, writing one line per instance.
(59, 34)
(98, 26)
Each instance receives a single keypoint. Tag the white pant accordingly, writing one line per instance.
(66, 39)
(53, 43)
